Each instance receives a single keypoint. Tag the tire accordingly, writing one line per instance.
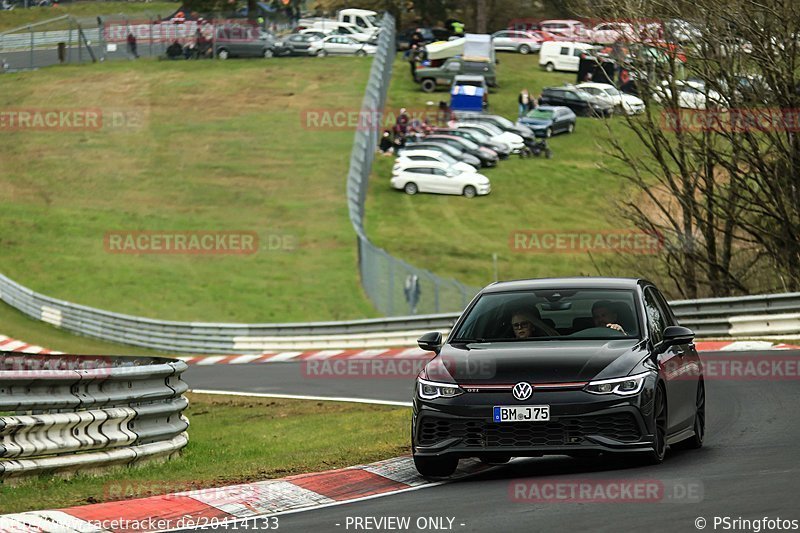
(361, 53)
(570, 128)
(411, 188)
(549, 67)
(223, 54)
(524, 49)
(656, 455)
(322, 53)
(268, 53)
(470, 192)
(548, 133)
(428, 85)
(696, 441)
(435, 466)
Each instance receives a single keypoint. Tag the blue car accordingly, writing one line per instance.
(546, 121)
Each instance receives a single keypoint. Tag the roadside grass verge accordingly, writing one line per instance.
(237, 440)
(456, 237)
(216, 146)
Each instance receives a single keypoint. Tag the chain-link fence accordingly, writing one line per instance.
(69, 39)
(393, 286)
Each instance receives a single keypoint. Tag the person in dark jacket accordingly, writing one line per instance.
(132, 45)
(386, 144)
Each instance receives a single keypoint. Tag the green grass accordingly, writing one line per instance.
(236, 440)
(20, 17)
(219, 146)
(453, 236)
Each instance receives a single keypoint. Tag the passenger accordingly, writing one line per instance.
(605, 315)
(528, 324)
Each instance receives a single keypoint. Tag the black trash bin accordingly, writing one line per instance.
(62, 52)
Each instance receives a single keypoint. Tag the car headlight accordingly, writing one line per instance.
(626, 386)
(429, 390)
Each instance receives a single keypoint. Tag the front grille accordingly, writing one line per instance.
(475, 433)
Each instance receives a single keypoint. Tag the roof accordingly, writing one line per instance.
(564, 283)
(595, 85)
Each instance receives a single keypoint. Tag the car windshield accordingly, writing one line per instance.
(541, 113)
(504, 122)
(550, 314)
(612, 91)
(469, 144)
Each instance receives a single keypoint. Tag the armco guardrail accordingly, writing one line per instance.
(713, 317)
(68, 413)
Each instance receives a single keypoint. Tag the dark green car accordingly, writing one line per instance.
(430, 78)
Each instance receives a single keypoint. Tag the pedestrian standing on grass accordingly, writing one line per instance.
(132, 45)
(524, 102)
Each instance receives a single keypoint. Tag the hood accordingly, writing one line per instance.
(463, 167)
(537, 123)
(536, 361)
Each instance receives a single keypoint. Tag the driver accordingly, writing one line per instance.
(528, 324)
(605, 316)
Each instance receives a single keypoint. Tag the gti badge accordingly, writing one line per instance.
(522, 391)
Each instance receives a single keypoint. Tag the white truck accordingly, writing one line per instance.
(368, 21)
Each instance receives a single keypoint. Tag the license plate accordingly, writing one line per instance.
(524, 413)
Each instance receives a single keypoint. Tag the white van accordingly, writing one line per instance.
(562, 55)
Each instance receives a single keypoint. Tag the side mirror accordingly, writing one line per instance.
(431, 342)
(674, 335)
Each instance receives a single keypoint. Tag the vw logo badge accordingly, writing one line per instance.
(522, 391)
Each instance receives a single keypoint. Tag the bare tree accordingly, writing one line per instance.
(724, 197)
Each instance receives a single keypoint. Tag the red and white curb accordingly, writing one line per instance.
(380, 353)
(7, 344)
(312, 355)
(235, 503)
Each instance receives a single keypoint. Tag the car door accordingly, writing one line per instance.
(439, 182)
(670, 361)
(563, 60)
(690, 366)
(420, 176)
(572, 101)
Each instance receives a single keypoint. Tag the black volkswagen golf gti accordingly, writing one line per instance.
(573, 366)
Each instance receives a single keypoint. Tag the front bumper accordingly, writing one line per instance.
(579, 423)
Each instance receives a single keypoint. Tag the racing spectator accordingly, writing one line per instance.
(132, 45)
(175, 50)
(386, 144)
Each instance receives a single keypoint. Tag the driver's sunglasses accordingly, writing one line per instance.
(521, 325)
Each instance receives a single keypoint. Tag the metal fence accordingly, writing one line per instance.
(394, 286)
(70, 413)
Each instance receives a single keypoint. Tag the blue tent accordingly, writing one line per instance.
(466, 98)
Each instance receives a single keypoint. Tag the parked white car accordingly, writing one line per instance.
(424, 177)
(630, 104)
(495, 134)
(611, 32)
(409, 157)
(691, 95)
(340, 45)
(565, 29)
(562, 55)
